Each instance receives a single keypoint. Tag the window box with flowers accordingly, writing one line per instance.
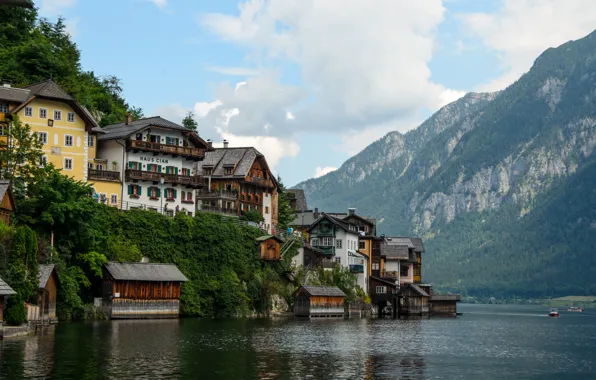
(170, 194)
(134, 191)
(154, 193)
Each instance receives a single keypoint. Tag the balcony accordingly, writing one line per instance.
(103, 175)
(259, 181)
(218, 210)
(357, 268)
(196, 154)
(390, 275)
(204, 194)
(186, 180)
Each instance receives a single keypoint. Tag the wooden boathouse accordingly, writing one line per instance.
(412, 300)
(141, 290)
(319, 302)
(47, 293)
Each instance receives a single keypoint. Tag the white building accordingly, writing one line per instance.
(155, 158)
(339, 242)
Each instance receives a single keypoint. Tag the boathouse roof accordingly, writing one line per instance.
(267, 237)
(5, 289)
(323, 291)
(43, 274)
(145, 272)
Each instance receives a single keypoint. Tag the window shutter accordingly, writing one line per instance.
(175, 191)
(140, 188)
(149, 191)
(159, 168)
(129, 164)
(129, 189)
(176, 171)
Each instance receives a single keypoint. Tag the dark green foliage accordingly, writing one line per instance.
(15, 313)
(253, 216)
(189, 122)
(286, 214)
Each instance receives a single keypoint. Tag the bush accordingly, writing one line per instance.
(16, 314)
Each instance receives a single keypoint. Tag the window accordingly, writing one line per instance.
(185, 171)
(68, 139)
(314, 241)
(337, 243)
(171, 170)
(153, 192)
(114, 199)
(90, 165)
(153, 168)
(3, 130)
(43, 137)
(99, 167)
(172, 140)
(375, 266)
(43, 113)
(361, 244)
(68, 163)
(189, 196)
(207, 171)
(228, 171)
(352, 227)
(266, 209)
(134, 165)
(403, 270)
(43, 161)
(381, 290)
(90, 140)
(70, 117)
(417, 270)
(327, 241)
(3, 107)
(57, 115)
(170, 194)
(28, 111)
(134, 191)
(338, 259)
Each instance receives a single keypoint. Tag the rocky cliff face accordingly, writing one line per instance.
(478, 154)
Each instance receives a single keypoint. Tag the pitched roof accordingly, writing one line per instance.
(399, 241)
(13, 94)
(43, 274)
(48, 89)
(5, 290)
(145, 272)
(300, 199)
(267, 237)
(391, 250)
(324, 291)
(4, 190)
(338, 222)
(418, 244)
(383, 281)
(416, 288)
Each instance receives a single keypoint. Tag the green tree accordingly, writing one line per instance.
(286, 214)
(189, 122)
(253, 216)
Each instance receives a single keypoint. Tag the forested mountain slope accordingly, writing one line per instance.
(480, 180)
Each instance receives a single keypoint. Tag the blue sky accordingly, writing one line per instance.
(311, 83)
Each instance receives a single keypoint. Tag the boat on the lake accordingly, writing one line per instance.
(575, 309)
(553, 313)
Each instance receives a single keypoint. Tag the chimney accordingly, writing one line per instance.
(316, 213)
(128, 119)
(210, 143)
(351, 211)
(225, 143)
(5, 83)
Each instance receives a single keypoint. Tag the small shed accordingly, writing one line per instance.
(270, 247)
(141, 290)
(7, 204)
(48, 292)
(5, 291)
(319, 301)
(412, 300)
(444, 304)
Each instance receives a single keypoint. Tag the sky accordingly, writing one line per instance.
(310, 83)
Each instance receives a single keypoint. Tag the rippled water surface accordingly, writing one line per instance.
(487, 342)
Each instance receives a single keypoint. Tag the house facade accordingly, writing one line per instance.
(66, 129)
(148, 164)
(238, 180)
(338, 240)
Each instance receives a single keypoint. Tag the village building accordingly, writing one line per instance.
(412, 300)
(141, 290)
(5, 291)
(270, 247)
(297, 199)
(319, 301)
(66, 129)
(148, 164)
(238, 180)
(7, 204)
(47, 293)
(339, 242)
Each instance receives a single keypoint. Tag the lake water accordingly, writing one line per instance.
(487, 342)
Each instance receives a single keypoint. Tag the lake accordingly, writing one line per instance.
(487, 342)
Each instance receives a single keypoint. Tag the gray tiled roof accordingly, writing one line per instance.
(43, 274)
(418, 244)
(300, 199)
(5, 290)
(48, 89)
(240, 158)
(324, 291)
(121, 130)
(399, 241)
(4, 185)
(13, 94)
(338, 222)
(145, 272)
(394, 251)
(419, 290)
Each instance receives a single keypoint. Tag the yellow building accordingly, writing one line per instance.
(67, 130)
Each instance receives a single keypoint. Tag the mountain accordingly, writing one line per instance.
(500, 185)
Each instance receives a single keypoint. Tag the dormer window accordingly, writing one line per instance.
(207, 171)
(228, 171)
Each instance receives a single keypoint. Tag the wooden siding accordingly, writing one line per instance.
(448, 307)
(146, 289)
(1, 308)
(47, 298)
(270, 250)
(123, 308)
(306, 306)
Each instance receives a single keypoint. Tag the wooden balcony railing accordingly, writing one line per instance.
(192, 181)
(185, 151)
(219, 210)
(391, 274)
(259, 181)
(204, 194)
(103, 175)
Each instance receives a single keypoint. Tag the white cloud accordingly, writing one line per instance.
(55, 7)
(361, 64)
(71, 26)
(173, 112)
(319, 171)
(237, 71)
(161, 4)
(521, 29)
